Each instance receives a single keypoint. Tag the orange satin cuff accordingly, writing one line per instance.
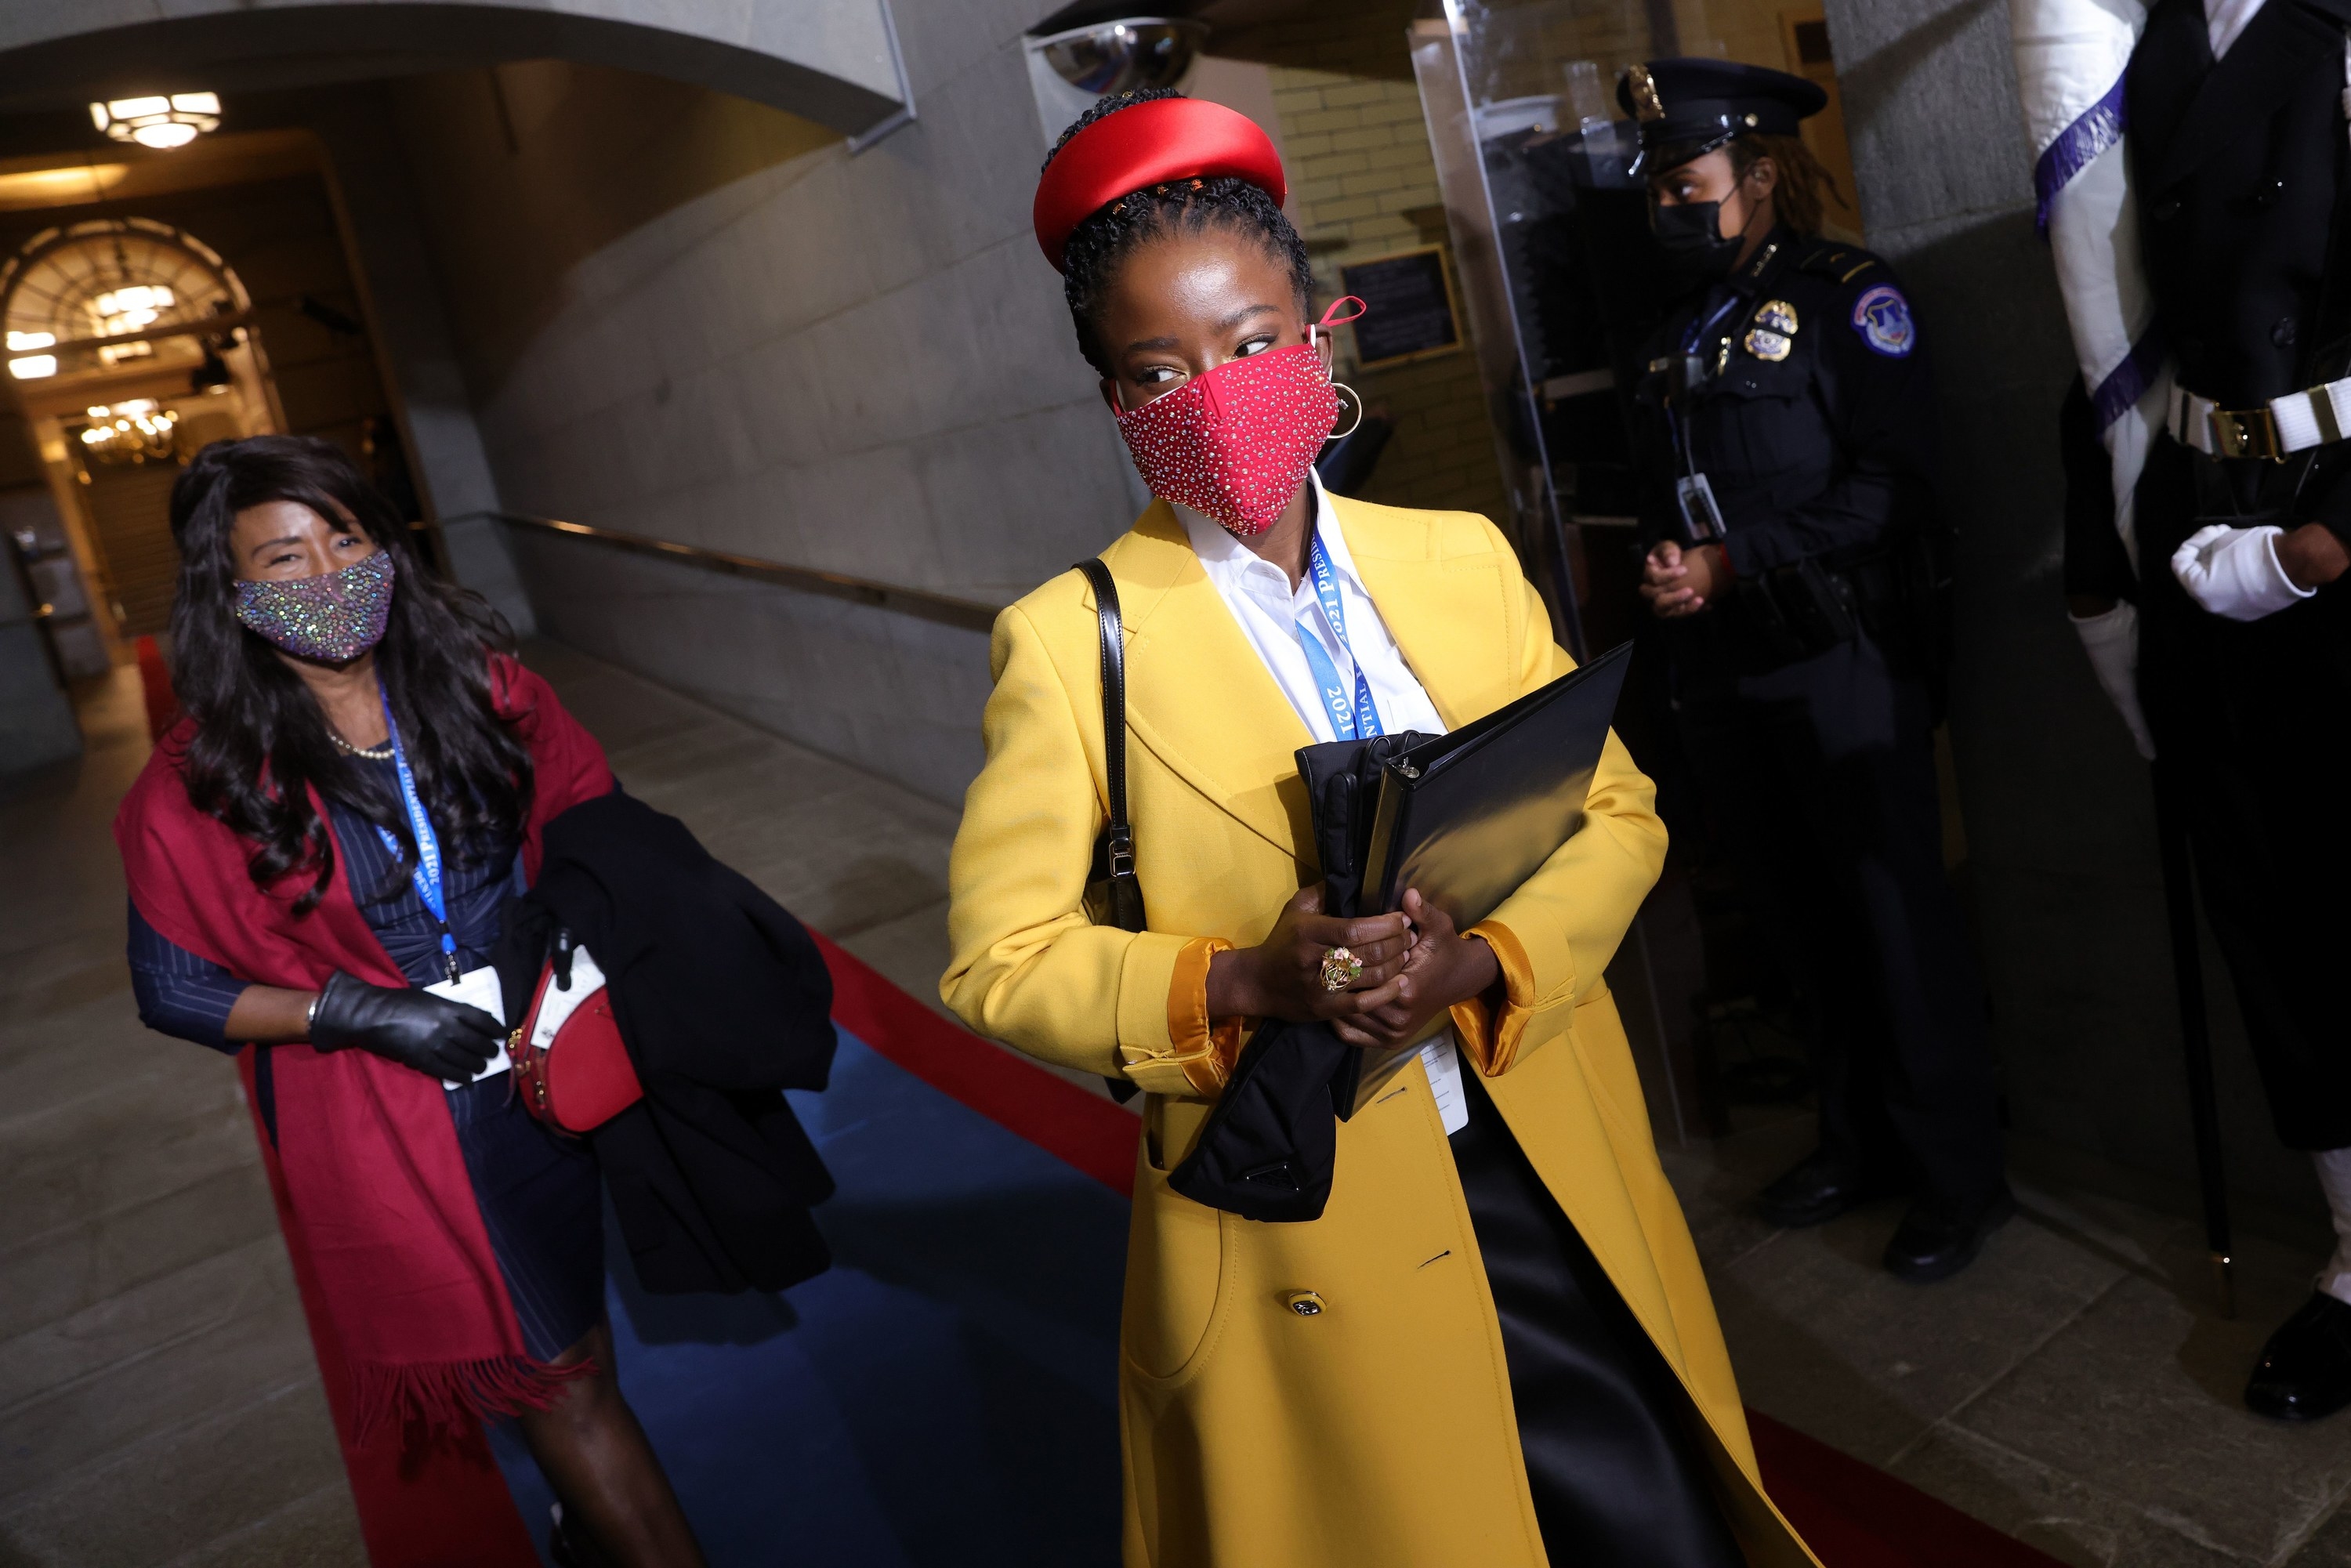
(1204, 1048)
(1492, 1036)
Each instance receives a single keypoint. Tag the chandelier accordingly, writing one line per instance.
(135, 431)
(157, 121)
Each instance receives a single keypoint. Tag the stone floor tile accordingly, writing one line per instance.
(177, 1491)
(1718, 1181)
(2071, 1519)
(2329, 1545)
(140, 1137)
(139, 1320)
(2140, 1394)
(910, 951)
(260, 1346)
(320, 1531)
(1826, 1339)
(95, 1258)
(55, 975)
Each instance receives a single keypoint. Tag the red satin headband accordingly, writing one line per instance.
(1149, 145)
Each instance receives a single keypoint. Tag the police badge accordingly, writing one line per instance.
(1773, 331)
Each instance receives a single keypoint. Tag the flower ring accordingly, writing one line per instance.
(1340, 969)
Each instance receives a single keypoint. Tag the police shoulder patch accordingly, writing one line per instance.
(1882, 317)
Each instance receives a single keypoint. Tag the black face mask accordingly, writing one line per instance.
(1691, 237)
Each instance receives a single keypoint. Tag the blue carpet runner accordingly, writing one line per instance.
(946, 1395)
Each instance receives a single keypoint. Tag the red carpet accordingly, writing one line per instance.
(1853, 1515)
(1856, 1516)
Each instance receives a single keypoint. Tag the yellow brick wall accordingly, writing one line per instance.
(1358, 161)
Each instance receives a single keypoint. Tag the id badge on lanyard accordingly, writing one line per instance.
(477, 987)
(1693, 494)
(1358, 719)
(1701, 518)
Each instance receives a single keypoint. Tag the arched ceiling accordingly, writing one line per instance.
(832, 61)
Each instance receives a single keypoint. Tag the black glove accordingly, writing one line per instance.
(439, 1037)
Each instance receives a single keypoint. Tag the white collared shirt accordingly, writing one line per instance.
(2224, 20)
(1269, 613)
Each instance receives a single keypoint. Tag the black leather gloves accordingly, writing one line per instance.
(443, 1039)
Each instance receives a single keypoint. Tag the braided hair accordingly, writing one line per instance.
(1803, 179)
(1100, 245)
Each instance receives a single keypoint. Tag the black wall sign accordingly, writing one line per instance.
(1409, 312)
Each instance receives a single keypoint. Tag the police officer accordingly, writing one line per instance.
(1788, 438)
(2238, 162)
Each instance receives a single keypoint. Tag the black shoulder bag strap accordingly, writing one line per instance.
(1113, 860)
(1115, 850)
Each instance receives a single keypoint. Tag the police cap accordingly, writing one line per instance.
(1687, 107)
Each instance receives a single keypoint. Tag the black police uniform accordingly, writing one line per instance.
(2241, 167)
(1798, 388)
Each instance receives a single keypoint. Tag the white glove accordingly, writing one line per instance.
(2112, 642)
(2235, 571)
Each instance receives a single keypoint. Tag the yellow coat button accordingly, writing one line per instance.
(1305, 1304)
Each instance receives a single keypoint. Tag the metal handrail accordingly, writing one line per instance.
(920, 602)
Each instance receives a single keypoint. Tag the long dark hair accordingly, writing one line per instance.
(260, 738)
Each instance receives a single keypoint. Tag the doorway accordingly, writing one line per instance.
(210, 296)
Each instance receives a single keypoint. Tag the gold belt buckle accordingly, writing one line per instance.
(2252, 432)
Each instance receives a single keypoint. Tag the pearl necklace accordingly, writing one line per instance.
(373, 753)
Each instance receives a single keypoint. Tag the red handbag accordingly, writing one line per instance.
(569, 1063)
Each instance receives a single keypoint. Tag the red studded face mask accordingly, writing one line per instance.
(1236, 442)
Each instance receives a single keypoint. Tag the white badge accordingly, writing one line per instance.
(556, 1005)
(1441, 1059)
(478, 988)
(1700, 515)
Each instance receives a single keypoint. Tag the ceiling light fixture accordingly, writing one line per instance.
(157, 121)
(140, 431)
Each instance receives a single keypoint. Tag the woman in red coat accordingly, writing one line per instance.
(316, 854)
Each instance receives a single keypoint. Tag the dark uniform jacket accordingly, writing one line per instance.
(2239, 166)
(1813, 420)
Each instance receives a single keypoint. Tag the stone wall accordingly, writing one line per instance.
(698, 320)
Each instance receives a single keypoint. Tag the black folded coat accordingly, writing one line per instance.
(1269, 1150)
(724, 1002)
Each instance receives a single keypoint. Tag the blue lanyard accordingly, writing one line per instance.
(1363, 720)
(427, 875)
(1698, 329)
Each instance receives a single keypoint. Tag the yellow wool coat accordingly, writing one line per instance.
(1379, 1431)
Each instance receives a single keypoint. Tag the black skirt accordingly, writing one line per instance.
(1617, 1480)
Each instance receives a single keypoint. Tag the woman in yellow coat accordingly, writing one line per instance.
(1495, 1346)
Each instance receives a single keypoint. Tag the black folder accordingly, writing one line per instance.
(1467, 816)
(1464, 817)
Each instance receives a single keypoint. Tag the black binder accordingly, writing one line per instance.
(1464, 817)
(1467, 816)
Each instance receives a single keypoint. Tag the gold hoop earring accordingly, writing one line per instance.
(1357, 399)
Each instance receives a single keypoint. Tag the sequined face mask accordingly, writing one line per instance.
(335, 616)
(1236, 442)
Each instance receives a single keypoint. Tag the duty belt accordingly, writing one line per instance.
(2278, 428)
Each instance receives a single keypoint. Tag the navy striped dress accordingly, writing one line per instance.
(541, 1202)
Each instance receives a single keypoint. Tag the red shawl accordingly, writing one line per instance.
(373, 1175)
